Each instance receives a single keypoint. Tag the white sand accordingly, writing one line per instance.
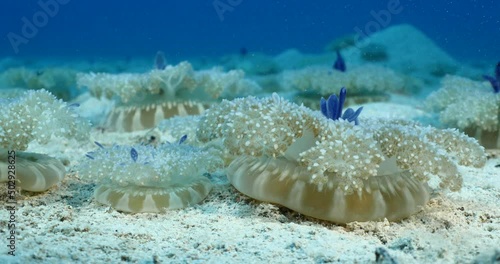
(65, 225)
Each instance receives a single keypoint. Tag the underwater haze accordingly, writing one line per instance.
(468, 29)
(250, 131)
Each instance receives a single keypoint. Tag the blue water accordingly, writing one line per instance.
(467, 29)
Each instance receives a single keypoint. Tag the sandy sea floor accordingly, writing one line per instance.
(65, 225)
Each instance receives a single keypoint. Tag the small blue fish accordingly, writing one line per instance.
(332, 108)
(160, 61)
(494, 81)
(182, 139)
(339, 64)
(133, 154)
(243, 52)
(497, 71)
(98, 144)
